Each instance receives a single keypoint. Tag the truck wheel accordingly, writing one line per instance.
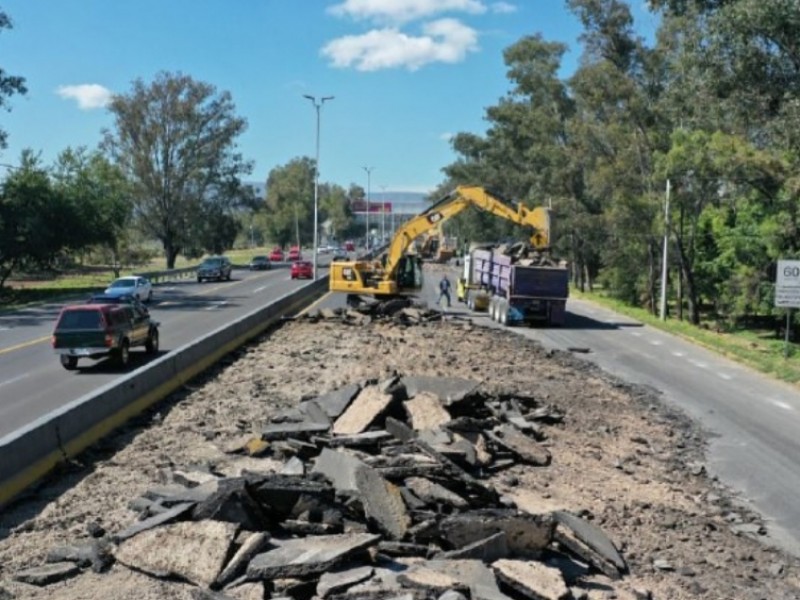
(151, 345)
(70, 363)
(124, 354)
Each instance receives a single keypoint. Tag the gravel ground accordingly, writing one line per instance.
(620, 458)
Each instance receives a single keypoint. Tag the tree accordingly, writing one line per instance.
(9, 84)
(290, 202)
(34, 219)
(175, 139)
(100, 198)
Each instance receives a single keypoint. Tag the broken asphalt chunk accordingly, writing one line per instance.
(47, 574)
(590, 543)
(282, 431)
(449, 390)
(194, 551)
(526, 535)
(527, 449)
(308, 556)
(425, 411)
(167, 516)
(337, 581)
(365, 409)
(532, 579)
(383, 502)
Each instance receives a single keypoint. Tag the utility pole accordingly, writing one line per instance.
(663, 303)
(369, 180)
(317, 106)
(383, 214)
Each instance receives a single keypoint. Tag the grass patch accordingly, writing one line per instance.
(756, 348)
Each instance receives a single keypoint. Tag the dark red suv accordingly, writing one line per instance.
(302, 269)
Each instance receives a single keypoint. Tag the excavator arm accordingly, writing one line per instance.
(399, 272)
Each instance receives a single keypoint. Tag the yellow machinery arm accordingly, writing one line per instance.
(400, 273)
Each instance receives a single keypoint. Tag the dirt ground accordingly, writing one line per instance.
(620, 458)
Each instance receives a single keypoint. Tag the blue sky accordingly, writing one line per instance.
(405, 74)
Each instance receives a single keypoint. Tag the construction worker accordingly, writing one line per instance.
(444, 290)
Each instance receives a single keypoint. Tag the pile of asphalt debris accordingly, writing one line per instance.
(372, 491)
(400, 311)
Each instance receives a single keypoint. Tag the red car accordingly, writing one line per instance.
(302, 269)
(294, 254)
(276, 255)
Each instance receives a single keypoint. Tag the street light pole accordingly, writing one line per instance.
(317, 106)
(665, 263)
(369, 181)
(383, 214)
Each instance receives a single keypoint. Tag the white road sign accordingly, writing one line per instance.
(787, 287)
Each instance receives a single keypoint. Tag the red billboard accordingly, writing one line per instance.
(360, 206)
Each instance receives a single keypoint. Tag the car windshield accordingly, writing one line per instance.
(259, 258)
(212, 262)
(80, 319)
(123, 283)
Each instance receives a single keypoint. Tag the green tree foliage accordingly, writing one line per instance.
(175, 139)
(99, 196)
(290, 202)
(35, 221)
(9, 84)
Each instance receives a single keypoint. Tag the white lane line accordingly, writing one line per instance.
(782, 405)
(217, 305)
(678, 354)
(5, 328)
(636, 333)
(258, 289)
(656, 342)
(724, 376)
(698, 363)
(13, 380)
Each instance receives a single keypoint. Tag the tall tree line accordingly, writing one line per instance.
(712, 105)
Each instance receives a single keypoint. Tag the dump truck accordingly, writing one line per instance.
(516, 285)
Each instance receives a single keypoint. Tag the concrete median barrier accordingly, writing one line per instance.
(30, 453)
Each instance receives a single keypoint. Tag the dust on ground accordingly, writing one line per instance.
(620, 458)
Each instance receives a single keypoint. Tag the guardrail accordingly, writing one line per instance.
(31, 452)
(169, 274)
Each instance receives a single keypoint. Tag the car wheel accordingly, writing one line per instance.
(149, 296)
(124, 354)
(70, 363)
(151, 345)
(199, 280)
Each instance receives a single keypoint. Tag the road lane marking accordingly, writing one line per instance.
(24, 345)
(782, 405)
(698, 363)
(636, 333)
(13, 379)
(656, 342)
(724, 376)
(678, 354)
(259, 289)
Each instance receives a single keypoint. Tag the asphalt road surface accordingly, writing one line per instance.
(33, 382)
(754, 421)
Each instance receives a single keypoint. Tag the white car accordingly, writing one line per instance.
(132, 285)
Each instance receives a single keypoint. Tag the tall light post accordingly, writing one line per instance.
(317, 106)
(369, 181)
(383, 214)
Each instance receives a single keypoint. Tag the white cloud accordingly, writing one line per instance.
(503, 8)
(445, 40)
(88, 95)
(403, 11)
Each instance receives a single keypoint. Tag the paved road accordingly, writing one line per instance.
(32, 381)
(755, 446)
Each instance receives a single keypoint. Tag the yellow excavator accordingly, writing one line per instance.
(398, 273)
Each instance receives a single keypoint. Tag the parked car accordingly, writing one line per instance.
(260, 263)
(214, 267)
(350, 246)
(294, 254)
(276, 255)
(132, 285)
(302, 269)
(121, 299)
(99, 330)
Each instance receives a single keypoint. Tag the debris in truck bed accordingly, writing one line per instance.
(425, 500)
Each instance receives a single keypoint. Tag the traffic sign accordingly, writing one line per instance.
(787, 286)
